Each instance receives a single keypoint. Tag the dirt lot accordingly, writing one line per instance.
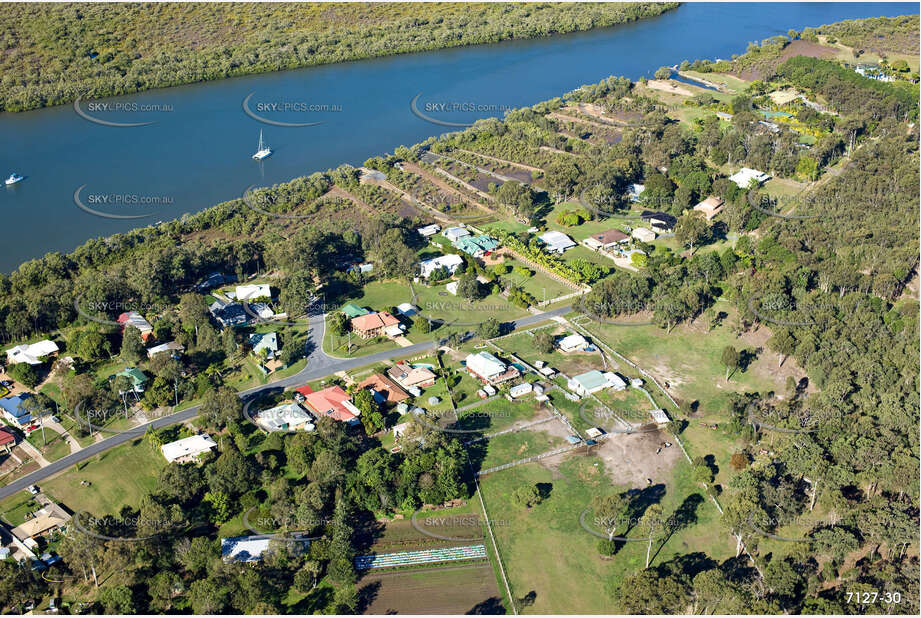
(461, 589)
(796, 48)
(631, 459)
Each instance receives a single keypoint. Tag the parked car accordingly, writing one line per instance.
(33, 489)
(7, 383)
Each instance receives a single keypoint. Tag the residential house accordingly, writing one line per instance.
(188, 450)
(286, 417)
(7, 441)
(175, 349)
(31, 353)
(262, 310)
(710, 207)
(372, 324)
(593, 381)
(453, 233)
(407, 309)
(384, 388)
(253, 548)
(228, 314)
(214, 280)
(635, 191)
(351, 310)
(572, 343)
(46, 520)
(253, 291)
(660, 222)
(450, 263)
(643, 234)
(411, 377)
(135, 319)
(489, 369)
(334, 403)
(556, 242)
(264, 341)
(14, 411)
(429, 230)
(744, 177)
(609, 240)
(136, 376)
(477, 246)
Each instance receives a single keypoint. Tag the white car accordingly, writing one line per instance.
(33, 489)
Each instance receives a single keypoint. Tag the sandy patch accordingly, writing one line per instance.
(667, 86)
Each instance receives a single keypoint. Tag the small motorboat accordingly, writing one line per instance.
(13, 179)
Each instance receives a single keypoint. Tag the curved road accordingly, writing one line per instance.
(319, 365)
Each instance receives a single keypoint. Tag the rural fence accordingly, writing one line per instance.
(511, 430)
(511, 464)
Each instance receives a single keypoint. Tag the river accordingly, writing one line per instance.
(197, 151)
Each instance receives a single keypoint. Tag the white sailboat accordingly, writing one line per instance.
(13, 179)
(263, 151)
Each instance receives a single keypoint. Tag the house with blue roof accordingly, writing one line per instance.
(14, 411)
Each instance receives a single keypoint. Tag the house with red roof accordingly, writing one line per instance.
(332, 402)
(7, 440)
(373, 324)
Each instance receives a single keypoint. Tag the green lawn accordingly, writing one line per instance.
(117, 477)
(517, 445)
(576, 579)
(54, 445)
(15, 508)
(539, 285)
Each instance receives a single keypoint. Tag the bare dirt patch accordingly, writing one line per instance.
(462, 589)
(631, 459)
(796, 48)
(667, 86)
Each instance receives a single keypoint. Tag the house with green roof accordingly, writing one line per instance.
(476, 246)
(137, 377)
(351, 310)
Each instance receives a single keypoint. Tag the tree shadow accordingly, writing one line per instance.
(747, 357)
(683, 517)
(544, 490)
(366, 596)
(490, 607)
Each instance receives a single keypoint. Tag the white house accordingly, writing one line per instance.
(451, 262)
(556, 242)
(520, 390)
(286, 417)
(188, 449)
(488, 368)
(253, 291)
(643, 234)
(572, 343)
(31, 352)
(172, 346)
(429, 230)
(744, 177)
(453, 233)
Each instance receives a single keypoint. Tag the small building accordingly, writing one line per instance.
(175, 349)
(372, 324)
(572, 343)
(710, 207)
(228, 314)
(411, 377)
(547, 371)
(490, 390)
(14, 411)
(615, 381)
(489, 369)
(606, 241)
(394, 331)
(253, 548)
(286, 417)
(660, 222)
(385, 387)
(635, 191)
(450, 263)
(593, 432)
(214, 280)
(744, 177)
(188, 450)
(136, 376)
(407, 309)
(362, 269)
(31, 353)
(556, 242)
(453, 233)
(264, 341)
(333, 402)
(636, 382)
(253, 291)
(262, 310)
(643, 234)
(429, 230)
(520, 390)
(587, 383)
(659, 416)
(135, 319)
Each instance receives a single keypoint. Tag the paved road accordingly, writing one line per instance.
(319, 365)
